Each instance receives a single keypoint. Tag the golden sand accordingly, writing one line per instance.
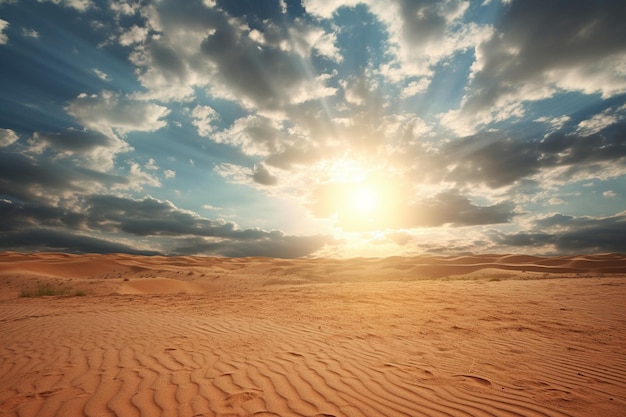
(489, 335)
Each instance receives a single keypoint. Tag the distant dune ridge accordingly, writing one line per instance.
(476, 335)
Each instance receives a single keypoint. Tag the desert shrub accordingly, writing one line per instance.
(43, 291)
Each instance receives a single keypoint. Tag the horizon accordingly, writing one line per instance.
(314, 129)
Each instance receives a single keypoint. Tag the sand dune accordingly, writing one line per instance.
(489, 335)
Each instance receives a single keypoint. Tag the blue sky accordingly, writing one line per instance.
(331, 128)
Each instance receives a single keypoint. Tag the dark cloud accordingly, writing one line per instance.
(559, 149)
(274, 245)
(540, 45)
(73, 141)
(257, 62)
(491, 159)
(457, 210)
(29, 179)
(262, 176)
(64, 241)
(171, 66)
(172, 230)
(109, 112)
(19, 216)
(266, 75)
(570, 234)
(149, 217)
(425, 21)
(496, 160)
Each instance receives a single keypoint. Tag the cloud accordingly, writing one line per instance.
(18, 216)
(570, 234)
(397, 210)
(273, 245)
(34, 226)
(151, 165)
(497, 160)
(80, 5)
(203, 118)
(555, 123)
(420, 33)
(65, 241)
(456, 210)
(262, 175)
(149, 217)
(30, 33)
(257, 135)
(491, 159)
(233, 173)
(539, 48)
(25, 178)
(111, 113)
(599, 122)
(102, 75)
(258, 77)
(86, 148)
(7, 137)
(135, 34)
(4, 38)
(258, 64)
(137, 178)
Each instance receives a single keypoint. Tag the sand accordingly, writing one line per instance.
(489, 335)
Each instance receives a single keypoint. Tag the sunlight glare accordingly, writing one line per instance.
(363, 200)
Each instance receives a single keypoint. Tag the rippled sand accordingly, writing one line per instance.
(490, 335)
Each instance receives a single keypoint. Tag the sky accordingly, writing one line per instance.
(313, 128)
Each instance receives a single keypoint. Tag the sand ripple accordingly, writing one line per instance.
(424, 348)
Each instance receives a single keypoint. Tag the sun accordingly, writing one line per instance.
(363, 200)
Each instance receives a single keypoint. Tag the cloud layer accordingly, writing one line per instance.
(237, 129)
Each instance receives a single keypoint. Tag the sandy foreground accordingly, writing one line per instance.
(490, 335)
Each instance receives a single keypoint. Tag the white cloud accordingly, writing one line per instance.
(124, 7)
(415, 87)
(326, 45)
(601, 120)
(133, 35)
(609, 194)
(30, 33)
(7, 137)
(4, 39)
(168, 173)
(555, 123)
(109, 112)
(326, 8)
(555, 201)
(203, 117)
(101, 74)
(137, 178)
(421, 33)
(151, 165)
(233, 173)
(80, 5)
(283, 6)
(256, 135)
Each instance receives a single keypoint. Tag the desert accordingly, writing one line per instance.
(473, 335)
